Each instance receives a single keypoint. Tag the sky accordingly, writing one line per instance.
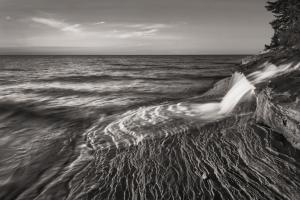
(133, 26)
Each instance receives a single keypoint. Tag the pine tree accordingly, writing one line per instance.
(286, 24)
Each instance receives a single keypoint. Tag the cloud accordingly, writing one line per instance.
(8, 17)
(139, 34)
(108, 30)
(72, 28)
(144, 30)
(148, 26)
(101, 22)
(57, 24)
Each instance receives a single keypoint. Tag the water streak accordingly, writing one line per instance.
(269, 70)
(241, 88)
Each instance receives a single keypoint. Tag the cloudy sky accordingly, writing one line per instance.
(133, 26)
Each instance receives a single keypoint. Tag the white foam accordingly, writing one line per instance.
(214, 110)
(270, 70)
(241, 87)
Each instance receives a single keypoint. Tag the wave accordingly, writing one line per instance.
(108, 78)
(269, 70)
(133, 127)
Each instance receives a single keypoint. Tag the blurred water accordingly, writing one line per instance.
(61, 116)
(88, 88)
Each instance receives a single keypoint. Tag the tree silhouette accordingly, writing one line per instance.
(286, 24)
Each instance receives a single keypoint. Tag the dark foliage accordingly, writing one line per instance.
(286, 24)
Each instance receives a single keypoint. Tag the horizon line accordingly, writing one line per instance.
(217, 54)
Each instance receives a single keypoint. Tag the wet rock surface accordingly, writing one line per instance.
(279, 107)
(234, 158)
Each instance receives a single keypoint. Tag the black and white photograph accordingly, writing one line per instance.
(149, 99)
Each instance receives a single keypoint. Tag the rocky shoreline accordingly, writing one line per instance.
(278, 99)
